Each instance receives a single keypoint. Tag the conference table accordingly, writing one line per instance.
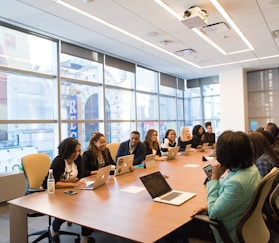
(122, 207)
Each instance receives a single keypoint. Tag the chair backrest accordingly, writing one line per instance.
(274, 200)
(252, 227)
(113, 148)
(35, 167)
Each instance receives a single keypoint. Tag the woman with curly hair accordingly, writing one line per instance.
(198, 136)
(97, 155)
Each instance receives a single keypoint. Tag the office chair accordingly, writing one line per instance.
(35, 167)
(252, 227)
(272, 213)
(113, 148)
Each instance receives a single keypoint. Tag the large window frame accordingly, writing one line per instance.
(74, 93)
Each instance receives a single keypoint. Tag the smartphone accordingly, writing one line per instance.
(208, 171)
(70, 192)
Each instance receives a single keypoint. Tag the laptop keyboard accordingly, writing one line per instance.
(171, 196)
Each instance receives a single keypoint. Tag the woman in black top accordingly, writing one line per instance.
(198, 136)
(97, 155)
(152, 145)
(209, 135)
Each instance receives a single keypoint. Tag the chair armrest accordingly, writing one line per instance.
(217, 224)
(205, 218)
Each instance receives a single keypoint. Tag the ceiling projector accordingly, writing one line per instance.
(194, 17)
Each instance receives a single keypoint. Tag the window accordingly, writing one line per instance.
(202, 103)
(43, 102)
(263, 97)
(120, 99)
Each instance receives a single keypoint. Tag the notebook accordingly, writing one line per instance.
(160, 190)
(172, 153)
(101, 178)
(124, 164)
(186, 151)
(149, 160)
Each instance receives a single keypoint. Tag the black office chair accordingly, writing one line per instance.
(35, 167)
(272, 211)
(252, 227)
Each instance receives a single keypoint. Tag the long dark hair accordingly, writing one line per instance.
(147, 139)
(93, 148)
(195, 131)
(67, 147)
(262, 146)
(234, 150)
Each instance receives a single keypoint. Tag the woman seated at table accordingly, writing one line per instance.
(198, 136)
(67, 172)
(152, 145)
(209, 136)
(184, 138)
(228, 199)
(169, 141)
(264, 156)
(97, 155)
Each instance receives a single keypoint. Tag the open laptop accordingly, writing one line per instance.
(124, 164)
(172, 153)
(149, 160)
(186, 151)
(203, 147)
(160, 190)
(101, 178)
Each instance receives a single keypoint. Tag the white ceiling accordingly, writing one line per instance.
(257, 19)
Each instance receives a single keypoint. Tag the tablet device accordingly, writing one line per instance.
(208, 171)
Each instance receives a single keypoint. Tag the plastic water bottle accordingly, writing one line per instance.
(50, 182)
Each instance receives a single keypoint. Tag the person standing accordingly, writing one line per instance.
(132, 146)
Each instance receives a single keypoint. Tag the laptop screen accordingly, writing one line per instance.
(155, 184)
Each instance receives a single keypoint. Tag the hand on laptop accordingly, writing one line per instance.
(158, 158)
(80, 183)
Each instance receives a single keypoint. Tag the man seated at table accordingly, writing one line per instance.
(132, 146)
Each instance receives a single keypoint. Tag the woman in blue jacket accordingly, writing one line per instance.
(227, 199)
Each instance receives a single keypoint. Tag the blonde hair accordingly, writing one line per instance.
(183, 136)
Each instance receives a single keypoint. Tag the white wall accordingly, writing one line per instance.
(234, 100)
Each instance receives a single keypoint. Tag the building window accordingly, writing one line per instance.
(263, 97)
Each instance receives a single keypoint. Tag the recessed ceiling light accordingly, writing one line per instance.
(151, 34)
(186, 52)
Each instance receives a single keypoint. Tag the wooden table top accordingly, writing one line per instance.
(129, 215)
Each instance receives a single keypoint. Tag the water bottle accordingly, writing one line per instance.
(50, 182)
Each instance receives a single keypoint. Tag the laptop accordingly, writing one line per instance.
(149, 160)
(101, 178)
(172, 153)
(160, 190)
(186, 151)
(124, 164)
